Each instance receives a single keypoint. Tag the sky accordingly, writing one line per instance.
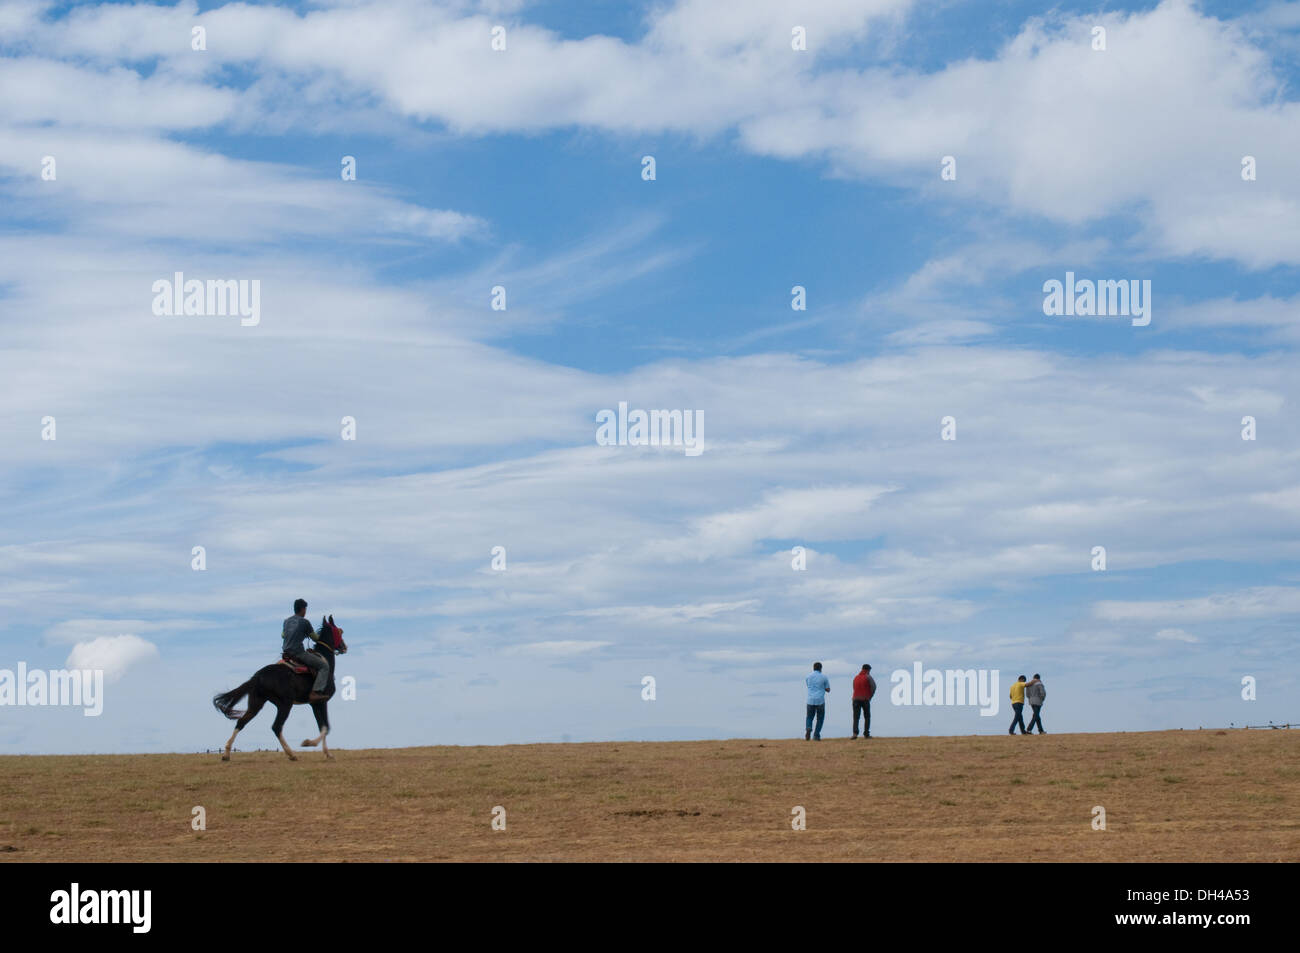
(920, 171)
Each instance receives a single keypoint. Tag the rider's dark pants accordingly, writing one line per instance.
(321, 666)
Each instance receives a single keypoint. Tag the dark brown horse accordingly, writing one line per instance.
(283, 686)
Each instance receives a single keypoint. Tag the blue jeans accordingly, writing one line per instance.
(820, 712)
(1019, 709)
(1036, 720)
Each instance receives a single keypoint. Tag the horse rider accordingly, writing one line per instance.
(296, 629)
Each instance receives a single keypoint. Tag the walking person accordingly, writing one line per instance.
(864, 689)
(1018, 704)
(818, 685)
(1036, 695)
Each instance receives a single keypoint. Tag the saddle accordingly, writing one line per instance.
(293, 663)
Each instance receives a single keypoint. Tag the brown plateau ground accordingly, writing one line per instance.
(1168, 796)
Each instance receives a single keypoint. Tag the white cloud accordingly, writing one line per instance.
(145, 187)
(112, 654)
(821, 512)
(1049, 127)
(739, 656)
(1255, 603)
(86, 631)
(562, 647)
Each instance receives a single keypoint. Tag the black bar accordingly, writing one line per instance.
(970, 902)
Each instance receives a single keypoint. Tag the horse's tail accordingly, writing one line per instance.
(226, 703)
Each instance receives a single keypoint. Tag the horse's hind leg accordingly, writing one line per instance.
(255, 703)
(225, 755)
(282, 710)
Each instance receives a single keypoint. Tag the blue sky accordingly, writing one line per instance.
(476, 428)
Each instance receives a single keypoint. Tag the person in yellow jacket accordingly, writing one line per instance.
(1018, 703)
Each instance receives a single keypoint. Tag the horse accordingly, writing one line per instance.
(285, 684)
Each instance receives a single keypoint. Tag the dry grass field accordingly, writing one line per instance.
(1169, 796)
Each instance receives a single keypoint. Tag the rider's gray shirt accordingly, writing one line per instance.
(296, 628)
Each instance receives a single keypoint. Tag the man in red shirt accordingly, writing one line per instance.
(864, 687)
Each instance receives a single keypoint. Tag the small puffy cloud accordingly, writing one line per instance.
(1176, 635)
(112, 654)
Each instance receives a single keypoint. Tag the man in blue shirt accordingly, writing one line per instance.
(818, 685)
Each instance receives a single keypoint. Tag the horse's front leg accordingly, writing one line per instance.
(322, 722)
(282, 715)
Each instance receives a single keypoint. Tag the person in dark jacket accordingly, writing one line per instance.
(1036, 695)
(296, 630)
(864, 689)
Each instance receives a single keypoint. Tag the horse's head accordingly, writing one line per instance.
(332, 635)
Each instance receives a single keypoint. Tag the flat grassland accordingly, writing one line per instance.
(1168, 796)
